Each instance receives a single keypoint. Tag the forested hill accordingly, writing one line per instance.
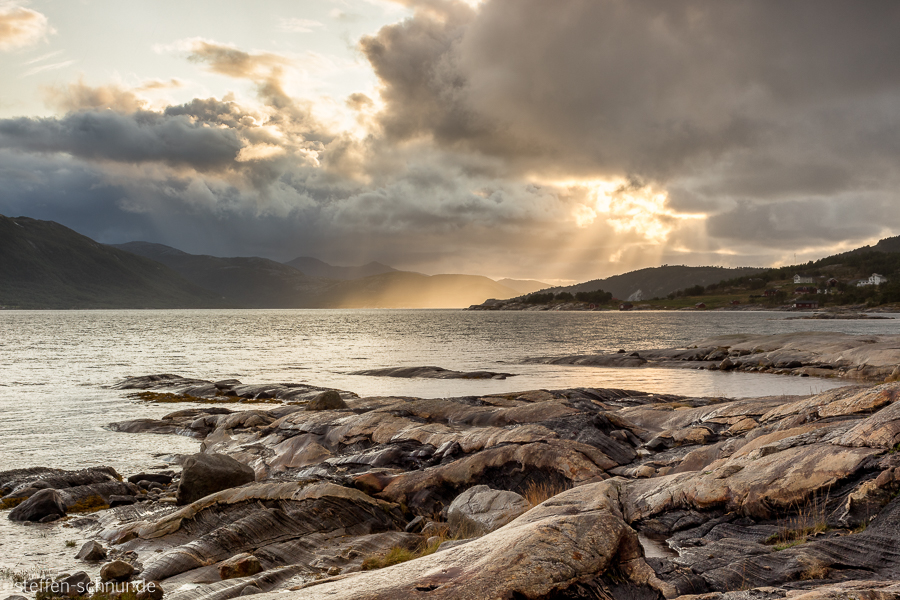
(656, 282)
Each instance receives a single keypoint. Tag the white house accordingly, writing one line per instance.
(804, 279)
(874, 279)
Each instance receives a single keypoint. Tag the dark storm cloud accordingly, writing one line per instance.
(643, 86)
(133, 138)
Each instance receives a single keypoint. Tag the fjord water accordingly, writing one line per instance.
(56, 366)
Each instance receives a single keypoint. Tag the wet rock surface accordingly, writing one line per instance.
(431, 373)
(228, 390)
(28, 490)
(40, 506)
(630, 495)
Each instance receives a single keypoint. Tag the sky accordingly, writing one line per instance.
(561, 141)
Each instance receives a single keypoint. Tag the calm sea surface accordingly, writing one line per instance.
(56, 368)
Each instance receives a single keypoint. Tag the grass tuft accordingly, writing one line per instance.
(535, 493)
(814, 570)
(809, 520)
(398, 554)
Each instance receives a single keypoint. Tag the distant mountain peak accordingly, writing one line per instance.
(314, 267)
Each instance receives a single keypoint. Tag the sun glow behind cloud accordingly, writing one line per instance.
(627, 207)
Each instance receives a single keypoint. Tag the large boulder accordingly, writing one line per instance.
(329, 400)
(117, 570)
(240, 565)
(205, 474)
(91, 552)
(42, 504)
(480, 509)
(75, 585)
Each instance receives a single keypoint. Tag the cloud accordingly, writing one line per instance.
(749, 102)
(79, 96)
(230, 61)
(572, 139)
(21, 27)
(49, 67)
(296, 25)
(648, 88)
(136, 138)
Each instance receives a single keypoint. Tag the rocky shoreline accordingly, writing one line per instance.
(868, 358)
(852, 312)
(570, 493)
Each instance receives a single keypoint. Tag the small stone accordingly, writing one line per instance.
(644, 472)
(334, 571)
(416, 525)
(163, 478)
(49, 519)
(482, 509)
(433, 528)
(151, 590)
(125, 537)
(116, 500)
(250, 590)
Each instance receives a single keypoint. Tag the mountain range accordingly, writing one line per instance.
(318, 268)
(46, 265)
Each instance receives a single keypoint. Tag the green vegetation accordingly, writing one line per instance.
(394, 556)
(656, 282)
(70, 543)
(845, 268)
(598, 297)
(398, 554)
(795, 530)
(595, 297)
